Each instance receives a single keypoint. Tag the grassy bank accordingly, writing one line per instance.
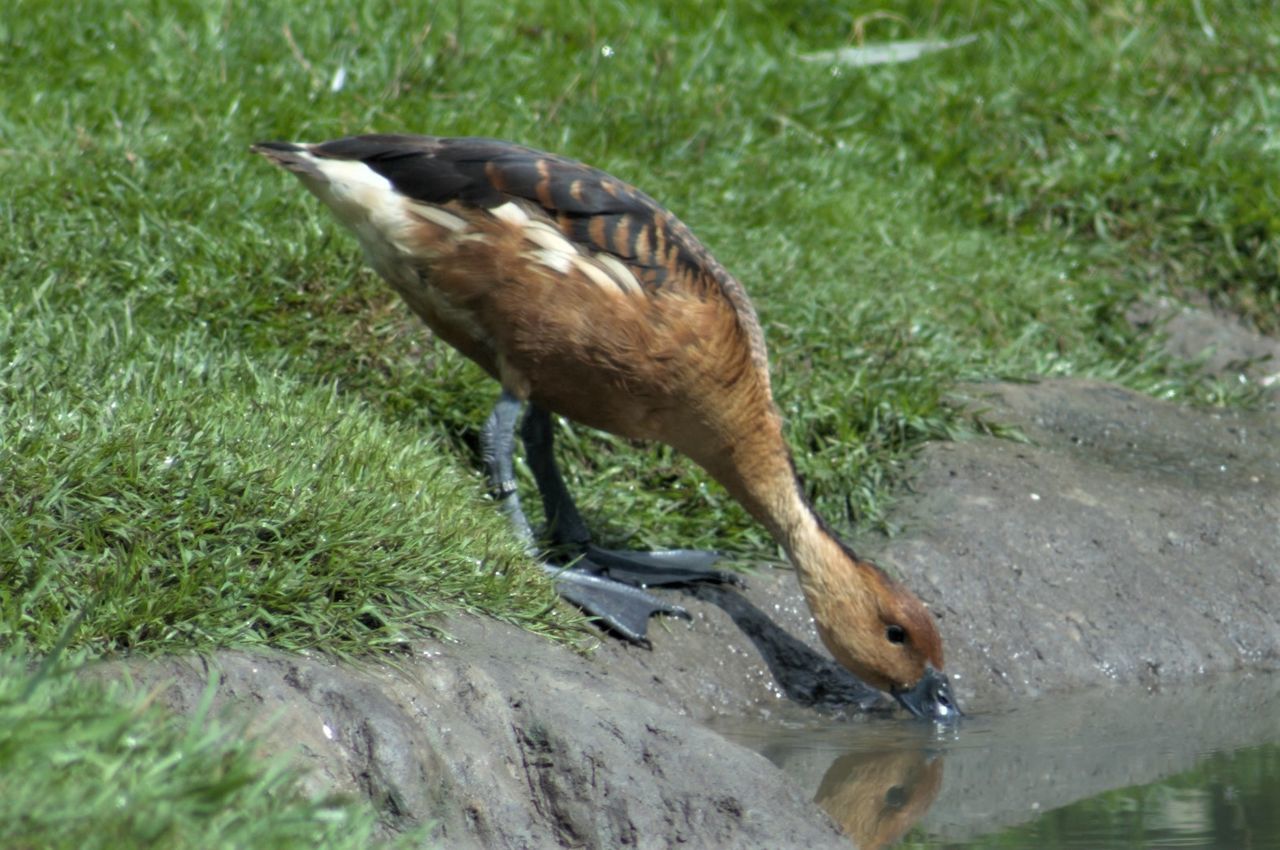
(90, 767)
(217, 428)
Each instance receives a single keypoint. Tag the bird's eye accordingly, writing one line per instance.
(896, 634)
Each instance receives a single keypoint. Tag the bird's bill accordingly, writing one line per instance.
(930, 698)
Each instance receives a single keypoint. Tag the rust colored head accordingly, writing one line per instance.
(882, 632)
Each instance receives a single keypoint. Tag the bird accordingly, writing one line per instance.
(584, 297)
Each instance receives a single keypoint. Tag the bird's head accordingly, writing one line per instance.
(883, 634)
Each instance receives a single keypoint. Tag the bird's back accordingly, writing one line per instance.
(571, 287)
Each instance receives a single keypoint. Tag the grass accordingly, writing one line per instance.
(179, 497)
(90, 767)
(217, 427)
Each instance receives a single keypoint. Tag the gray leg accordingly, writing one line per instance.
(622, 608)
(566, 528)
(564, 524)
(497, 450)
(602, 583)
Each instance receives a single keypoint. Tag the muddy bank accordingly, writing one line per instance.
(500, 739)
(1220, 344)
(1127, 540)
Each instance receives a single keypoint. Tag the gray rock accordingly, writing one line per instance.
(1224, 345)
(1129, 540)
(500, 739)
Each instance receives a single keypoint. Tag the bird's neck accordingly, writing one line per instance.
(757, 471)
(839, 588)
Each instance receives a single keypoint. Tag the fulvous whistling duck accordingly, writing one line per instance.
(583, 296)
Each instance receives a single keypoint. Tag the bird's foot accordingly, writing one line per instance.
(657, 568)
(609, 584)
(623, 609)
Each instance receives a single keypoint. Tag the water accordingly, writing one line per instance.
(1191, 767)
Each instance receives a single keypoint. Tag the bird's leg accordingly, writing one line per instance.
(564, 524)
(497, 450)
(623, 608)
(566, 528)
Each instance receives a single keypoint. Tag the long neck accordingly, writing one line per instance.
(842, 591)
(757, 470)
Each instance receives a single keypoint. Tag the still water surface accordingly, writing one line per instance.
(1188, 767)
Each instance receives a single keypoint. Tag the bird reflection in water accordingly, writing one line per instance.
(876, 797)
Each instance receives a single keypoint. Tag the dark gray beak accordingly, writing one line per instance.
(930, 698)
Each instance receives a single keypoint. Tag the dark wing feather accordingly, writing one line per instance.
(591, 207)
(421, 167)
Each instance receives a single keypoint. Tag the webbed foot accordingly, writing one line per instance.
(623, 609)
(657, 568)
(609, 584)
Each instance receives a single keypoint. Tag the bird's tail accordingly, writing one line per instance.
(289, 156)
